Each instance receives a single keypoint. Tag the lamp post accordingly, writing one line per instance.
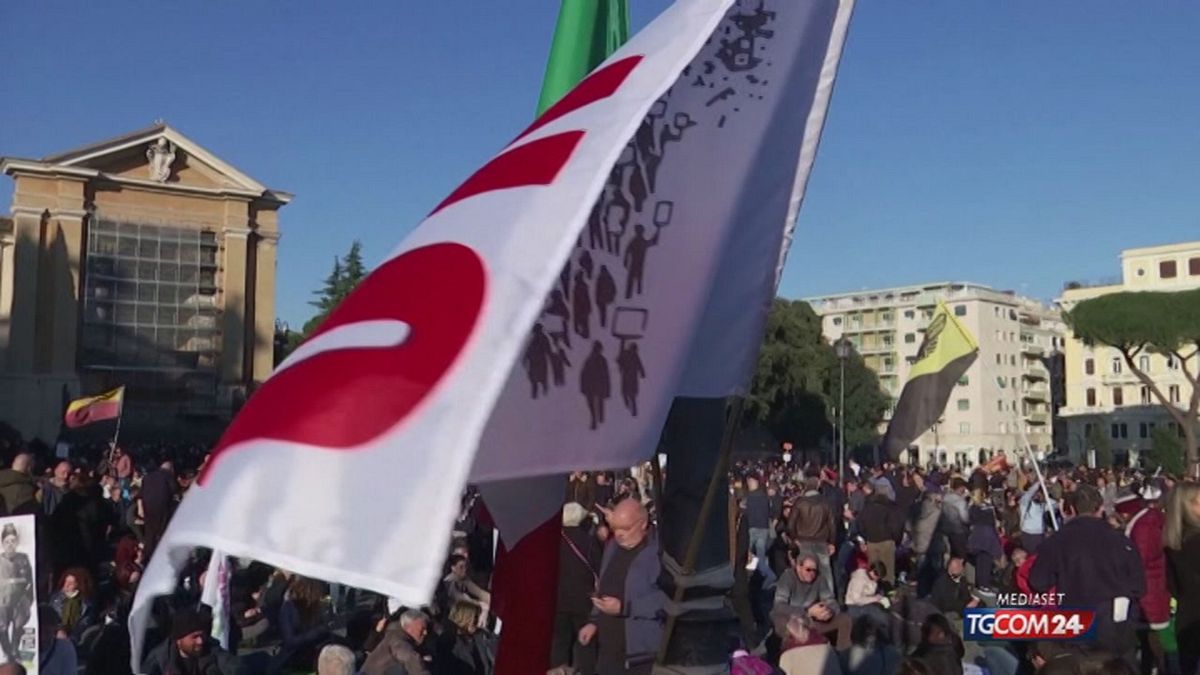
(842, 348)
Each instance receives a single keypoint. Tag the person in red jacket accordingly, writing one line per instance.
(1145, 530)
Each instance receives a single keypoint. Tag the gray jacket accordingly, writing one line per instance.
(793, 596)
(925, 525)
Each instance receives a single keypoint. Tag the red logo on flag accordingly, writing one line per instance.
(538, 162)
(343, 398)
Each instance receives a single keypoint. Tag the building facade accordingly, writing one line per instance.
(1106, 403)
(145, 261)
(1005, 397)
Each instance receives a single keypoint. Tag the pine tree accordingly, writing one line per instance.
(353, 269)
(347, 273)
(328, 296)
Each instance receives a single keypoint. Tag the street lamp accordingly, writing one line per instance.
(842, 348)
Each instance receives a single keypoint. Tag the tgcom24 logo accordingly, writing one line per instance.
(1028, 623)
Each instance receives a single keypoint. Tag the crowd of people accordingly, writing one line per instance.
(867, 572)
(871, 571)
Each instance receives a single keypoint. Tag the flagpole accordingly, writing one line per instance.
(693, 549)
(1029, 452)
(112, 450)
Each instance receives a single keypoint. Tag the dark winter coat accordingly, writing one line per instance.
(398, 650)
(812, 520)
(1089, 562)
(579, 556)
(17, 489)
(880, 520)
(983, 537)
(165, 660)
(1183, 580)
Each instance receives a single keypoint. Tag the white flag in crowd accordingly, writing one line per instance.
(518, 331)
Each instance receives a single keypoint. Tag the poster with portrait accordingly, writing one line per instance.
(18, 593)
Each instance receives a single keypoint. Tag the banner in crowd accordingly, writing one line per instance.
(946, 353)
(83, 411)
(18, 602)
(621, 251)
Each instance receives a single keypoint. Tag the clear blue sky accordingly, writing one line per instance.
(1018, 144)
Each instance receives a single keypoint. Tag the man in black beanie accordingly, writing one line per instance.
(190, 650)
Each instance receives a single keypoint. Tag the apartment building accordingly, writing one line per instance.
(1004, 398)
(1106, 400)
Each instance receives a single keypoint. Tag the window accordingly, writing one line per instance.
(1012, 314)
(910, 338)
(856, 319)
(1166, 269)
(1144, 395)
(964, 381)
(887, 340)
(1173, 393)
(837, 320)
(964, 428)
(1144, 363)
(1120, 430)
(1143, 432)
(996, 311)
(908, 314)
(1089, 367)
(1013, 382)
(999, 359)
(960, 310)
(1012, 359)
(886, 317)
(964, 404)
(1091, 398)
(1194, 267)
(1000, 406)
(888, 364)
(1118, 395)
(1172, 363)
(1004, 427)
(1116, 365)
(1087, 429)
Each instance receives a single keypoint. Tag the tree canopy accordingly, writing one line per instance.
(1166, 323)
(1156, 322)
(796, 383)
(346, 274)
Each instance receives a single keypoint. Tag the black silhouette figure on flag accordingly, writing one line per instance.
(616, 218)
(583, 306)
(537, 360)
(595, 383)
(629, 364)
(606, 293)
(558, 365)
(558, 307)
(635, 259)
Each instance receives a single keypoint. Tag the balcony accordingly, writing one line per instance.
(1035, 392)
(1119, 378)
(1036, 374)
(876, 349)
(1038, 418)
(1030, 350)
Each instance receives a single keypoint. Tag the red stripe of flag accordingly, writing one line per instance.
(95, 412)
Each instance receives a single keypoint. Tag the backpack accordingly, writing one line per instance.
(746, 664)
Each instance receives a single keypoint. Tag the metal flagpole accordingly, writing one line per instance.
(1029, 452)
(112, 449)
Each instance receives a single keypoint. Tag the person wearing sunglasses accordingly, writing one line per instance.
(800, 592)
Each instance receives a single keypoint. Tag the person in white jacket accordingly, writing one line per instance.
(863, 599)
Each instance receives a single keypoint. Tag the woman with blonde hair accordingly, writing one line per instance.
(463, 648)
(1181, 538)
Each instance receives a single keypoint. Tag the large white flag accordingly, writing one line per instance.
(472, 347)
